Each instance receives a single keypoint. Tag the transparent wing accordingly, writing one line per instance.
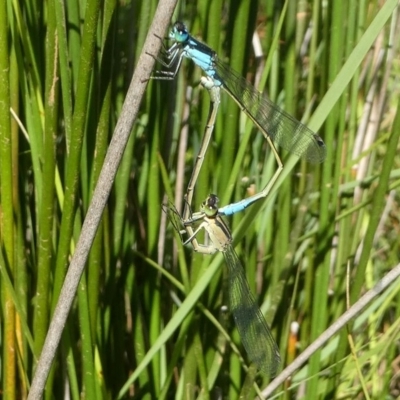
(253, 329)
(284, 130)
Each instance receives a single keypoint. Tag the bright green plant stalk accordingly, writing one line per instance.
(46, 205)
(153, 284)
(65, 73)
(315, 6)
(75, 30)
(71, 366)
(278, 220)
(287, 56)
(321, 272)
(345, 251)
(7, 213)
(20, 281)
(88, 370)
(31, 87)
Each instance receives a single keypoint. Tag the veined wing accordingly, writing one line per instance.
(283, 129)
(253, 329)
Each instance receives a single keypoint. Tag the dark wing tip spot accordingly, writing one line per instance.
(319, 140)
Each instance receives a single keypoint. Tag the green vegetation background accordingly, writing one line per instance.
(325, 235)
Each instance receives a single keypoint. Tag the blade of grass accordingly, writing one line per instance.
(7, 212)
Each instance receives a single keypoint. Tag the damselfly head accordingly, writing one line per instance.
(210, 205)
(179, 32)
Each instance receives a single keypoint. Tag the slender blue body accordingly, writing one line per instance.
(281, 127)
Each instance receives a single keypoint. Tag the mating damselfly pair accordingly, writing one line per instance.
(279, 128)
